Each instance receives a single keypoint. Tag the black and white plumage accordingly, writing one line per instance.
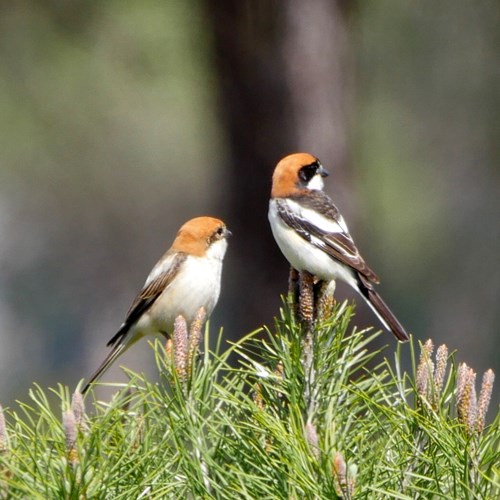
(314, 237)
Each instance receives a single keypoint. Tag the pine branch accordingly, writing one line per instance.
(360, 427)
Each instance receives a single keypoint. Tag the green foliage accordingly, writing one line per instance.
(347, 424)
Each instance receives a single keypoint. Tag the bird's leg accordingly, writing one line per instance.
(325, 300)
(293, 279)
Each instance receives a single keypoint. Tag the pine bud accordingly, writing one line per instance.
(440, 372)
(70, 433)
(306, 304)
(312, 438)
(181, 347)
(195, 336)
(78, 408)
(424, 369)
(484, 399)
(466, 398)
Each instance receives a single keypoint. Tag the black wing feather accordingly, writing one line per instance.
(146, 298)
(339, 246)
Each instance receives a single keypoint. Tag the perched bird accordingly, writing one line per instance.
(314, 237)
(185, 279)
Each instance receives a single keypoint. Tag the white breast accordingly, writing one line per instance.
(197, 284)
(304, 256)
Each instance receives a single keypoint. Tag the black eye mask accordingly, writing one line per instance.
(308, 172)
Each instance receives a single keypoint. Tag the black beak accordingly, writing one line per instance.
(323, 171)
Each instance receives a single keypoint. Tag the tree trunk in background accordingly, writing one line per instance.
(283, 72)
(319, 77)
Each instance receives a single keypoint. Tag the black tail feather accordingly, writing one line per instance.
(110, 358)
(386, 314)
(382, 311)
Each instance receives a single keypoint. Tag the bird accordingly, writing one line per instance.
(186, 278)
(313, 236)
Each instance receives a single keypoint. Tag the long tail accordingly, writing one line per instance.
(121, 344)
(380, 308)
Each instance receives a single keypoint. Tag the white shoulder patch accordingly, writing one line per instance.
(322, 222)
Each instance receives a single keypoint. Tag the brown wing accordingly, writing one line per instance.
(342, 247)
(148, 295)
(339, 244)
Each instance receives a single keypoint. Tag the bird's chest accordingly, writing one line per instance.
(197, 285)
(303, 250)
(296, 248)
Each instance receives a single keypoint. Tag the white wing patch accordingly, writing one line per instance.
(324, 224)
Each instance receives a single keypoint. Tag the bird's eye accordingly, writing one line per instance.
(308, 172)
(217, 234)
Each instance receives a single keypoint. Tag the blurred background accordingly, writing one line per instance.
(121, 120)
